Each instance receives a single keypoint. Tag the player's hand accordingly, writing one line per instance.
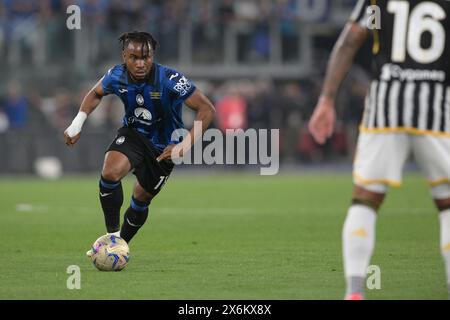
(172, 151)
(322, 121)
(71, 141)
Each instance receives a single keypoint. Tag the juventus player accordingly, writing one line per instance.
(407, 111)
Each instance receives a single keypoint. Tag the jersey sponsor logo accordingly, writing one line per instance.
(123, 90)
(183, 86)
(120, 140)
(391, 71)
(140, 99)
(174, 76)
(143, 114)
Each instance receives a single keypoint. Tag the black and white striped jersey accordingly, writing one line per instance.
(410, 88)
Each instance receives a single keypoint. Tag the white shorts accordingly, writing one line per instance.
(380, 158)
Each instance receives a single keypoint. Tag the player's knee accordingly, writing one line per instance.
(140, 194)
(371, 203)
(112, 174)
(442, 204)
(441, 196)
(367, 197)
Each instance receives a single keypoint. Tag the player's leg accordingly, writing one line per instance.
(116, 166)
(137, 212)
(358, 236)
(378, 163)
(443, 205)
(151, 176)
(433, 156)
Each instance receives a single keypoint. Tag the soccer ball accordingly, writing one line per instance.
(110, 253)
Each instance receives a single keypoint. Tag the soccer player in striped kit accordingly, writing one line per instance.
(152, 95)
(407, 111)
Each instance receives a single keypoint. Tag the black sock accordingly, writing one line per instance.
(134, 219)
(111, 198)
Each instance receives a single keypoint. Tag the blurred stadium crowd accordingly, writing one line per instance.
(260, 61)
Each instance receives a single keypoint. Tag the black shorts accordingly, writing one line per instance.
(142, 155)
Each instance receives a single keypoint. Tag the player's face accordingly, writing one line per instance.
(138, 60)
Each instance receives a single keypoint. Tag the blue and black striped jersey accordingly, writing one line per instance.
(154, 106)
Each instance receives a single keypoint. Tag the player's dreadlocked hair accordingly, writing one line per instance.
(138, 36)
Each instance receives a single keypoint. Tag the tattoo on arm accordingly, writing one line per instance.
(350, 41)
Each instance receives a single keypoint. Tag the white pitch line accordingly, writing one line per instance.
(205, 210)
(26, 207)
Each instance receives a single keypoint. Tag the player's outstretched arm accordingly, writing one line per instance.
(90, 102)
(350, 41)
(205, 115)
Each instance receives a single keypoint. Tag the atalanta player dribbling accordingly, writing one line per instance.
(152, 95)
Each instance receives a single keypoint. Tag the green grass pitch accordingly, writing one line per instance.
(216, 237)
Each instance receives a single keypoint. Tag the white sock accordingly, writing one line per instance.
(444, 218)
(117, 233)
(358, 237)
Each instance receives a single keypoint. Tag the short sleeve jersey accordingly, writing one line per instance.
(154, 106)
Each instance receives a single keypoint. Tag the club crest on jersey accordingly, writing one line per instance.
(140, 99)
(120, 140)
(142, 113)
